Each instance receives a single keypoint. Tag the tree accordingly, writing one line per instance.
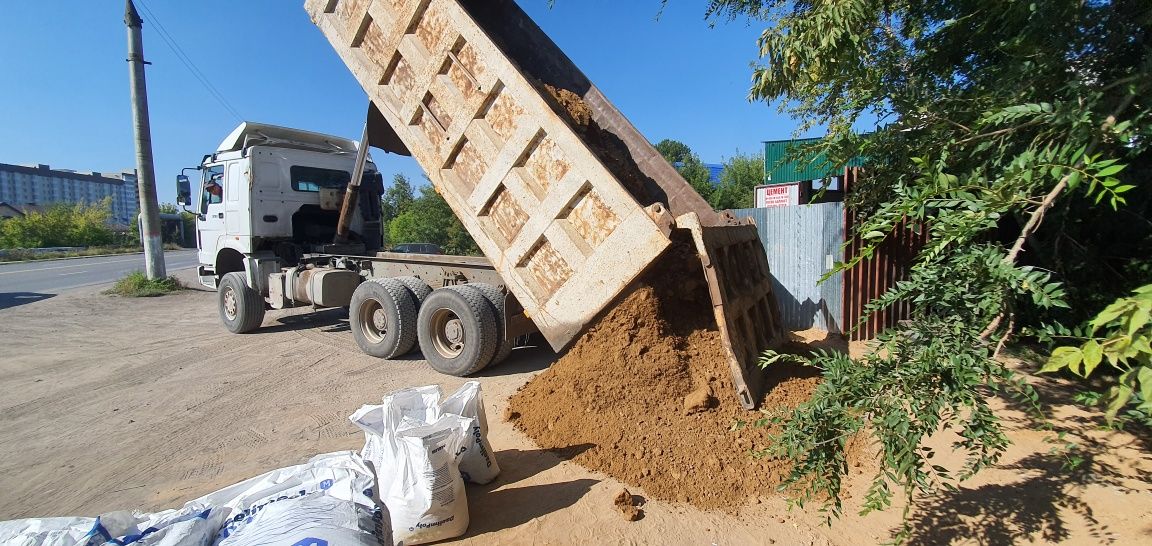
(396, 200)
(429, 219)
(738, 181)
(674, 151)
(60, 225)
(1017, 134)
(688, 164)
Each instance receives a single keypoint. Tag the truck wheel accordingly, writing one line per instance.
(382, 317)
(457, 330)
(419, 288)
(241, 307)
(495, 296)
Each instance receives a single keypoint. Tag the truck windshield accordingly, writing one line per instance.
(313, 178)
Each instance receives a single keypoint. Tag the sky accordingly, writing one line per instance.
(64, 88)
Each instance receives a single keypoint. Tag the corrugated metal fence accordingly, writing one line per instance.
(872, 277)
(802, 244)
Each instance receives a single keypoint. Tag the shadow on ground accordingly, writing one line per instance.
(1029, 510)
(16, 299)
(1035, 507)
(325, 320)
(492, 508)
(527, 359)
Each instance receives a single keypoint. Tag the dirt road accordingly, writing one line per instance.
(109, 403)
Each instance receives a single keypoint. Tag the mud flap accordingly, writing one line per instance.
(740, 286)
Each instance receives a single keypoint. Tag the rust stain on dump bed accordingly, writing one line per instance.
(591, 218)
(468, 165)
(548, 269)
(432, 27)
(547, 164)
(507, 214)
(465, 71)
(351, 13)
(504, 115)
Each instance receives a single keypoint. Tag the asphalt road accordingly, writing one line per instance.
(26, 282)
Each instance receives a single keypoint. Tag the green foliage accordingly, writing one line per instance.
(396, 199)
(688, 164)
(932, 358)
(697, 175)
(674, 151)
(171, 234)
(60, 225)
(738, 181)
(429, 219)
(1017, 134)
(1120, 336)
(137, 285)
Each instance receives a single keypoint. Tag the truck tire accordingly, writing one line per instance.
(495, 296)
(457, 330)
(382, 317)
(241, 307)
(419, 288)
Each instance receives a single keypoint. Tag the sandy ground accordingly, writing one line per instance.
(110, 403)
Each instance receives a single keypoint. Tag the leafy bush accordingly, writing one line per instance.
(1120, 337)
(60, 225)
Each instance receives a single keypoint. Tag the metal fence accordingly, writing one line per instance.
(802, 244)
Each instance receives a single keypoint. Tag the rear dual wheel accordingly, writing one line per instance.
(382, 316)
(457, 330)
(460, 329)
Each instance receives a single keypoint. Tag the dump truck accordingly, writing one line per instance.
(568, 202)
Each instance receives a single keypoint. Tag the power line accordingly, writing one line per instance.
(187, 61)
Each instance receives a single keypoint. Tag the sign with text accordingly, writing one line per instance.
(777, 195)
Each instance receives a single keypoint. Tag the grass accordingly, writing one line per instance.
(137, 285)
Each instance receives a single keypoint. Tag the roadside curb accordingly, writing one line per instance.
(76, 257)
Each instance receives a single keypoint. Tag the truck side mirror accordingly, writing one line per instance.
(183, 191)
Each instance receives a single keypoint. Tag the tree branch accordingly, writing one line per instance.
(1037, 216)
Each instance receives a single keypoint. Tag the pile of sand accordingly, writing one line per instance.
(645, 396)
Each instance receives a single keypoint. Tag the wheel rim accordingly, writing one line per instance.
(447, 333)
(373, 321)
(229, 303)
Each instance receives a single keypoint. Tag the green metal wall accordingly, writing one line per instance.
(777, 171)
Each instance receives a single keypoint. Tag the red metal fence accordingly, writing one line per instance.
(873, 277)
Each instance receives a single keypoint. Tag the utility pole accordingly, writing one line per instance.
(150, 234)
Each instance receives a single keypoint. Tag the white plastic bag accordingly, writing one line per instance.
(425, 495)
(422, 405)
(314, 518)
(414, 447)
(329, 496)
(477, 461)
(188, 526)
(45, 531)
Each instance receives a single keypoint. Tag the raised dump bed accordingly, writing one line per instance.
(565, 197)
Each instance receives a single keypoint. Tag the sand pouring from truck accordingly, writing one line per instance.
(566, 199)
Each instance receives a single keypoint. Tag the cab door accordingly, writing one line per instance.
(210, 224)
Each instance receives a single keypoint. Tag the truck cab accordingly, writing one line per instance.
(270, 195)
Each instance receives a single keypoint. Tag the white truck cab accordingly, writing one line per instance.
(270, 194)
